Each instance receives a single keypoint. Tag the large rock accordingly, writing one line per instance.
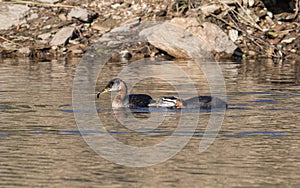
(12, 15)
(181, 37)
(174, 40)
(62, 36)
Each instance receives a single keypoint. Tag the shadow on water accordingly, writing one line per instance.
(256, 146)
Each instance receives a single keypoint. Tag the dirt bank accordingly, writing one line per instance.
(53, 28)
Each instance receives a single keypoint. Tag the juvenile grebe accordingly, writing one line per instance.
(122, 99)
(204, 102)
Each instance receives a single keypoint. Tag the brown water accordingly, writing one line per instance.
(258, 145)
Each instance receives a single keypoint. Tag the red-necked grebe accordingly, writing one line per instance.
(204, 102)
(122, 99)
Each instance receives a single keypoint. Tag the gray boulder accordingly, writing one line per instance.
(182, 37)
(12, 15)
(62, 36)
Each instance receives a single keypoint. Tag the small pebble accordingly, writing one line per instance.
(293, 50)
(269, 21)
(24, 50)
(251, 3)
(33, 16)
(288, 41)
(46, 27)
(270, 14)
(62, 17)
(251, 53)
(115, 6)
(233, 35)
(44, 36)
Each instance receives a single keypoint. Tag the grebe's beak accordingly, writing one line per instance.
(101, 92)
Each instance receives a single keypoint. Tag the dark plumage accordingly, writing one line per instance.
(139, 100)
(206, 102)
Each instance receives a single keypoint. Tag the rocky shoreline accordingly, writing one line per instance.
(52, 28)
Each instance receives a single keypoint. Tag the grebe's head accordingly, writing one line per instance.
(114, 85)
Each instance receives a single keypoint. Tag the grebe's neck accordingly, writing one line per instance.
(120, 96)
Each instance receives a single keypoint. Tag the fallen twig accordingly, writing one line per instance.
(41, 4)
(297, 4)
(7, 40)
(251, 23)
(257, 41)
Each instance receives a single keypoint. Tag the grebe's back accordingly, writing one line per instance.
(204, 102)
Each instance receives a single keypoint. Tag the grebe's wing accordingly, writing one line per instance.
(139, 100)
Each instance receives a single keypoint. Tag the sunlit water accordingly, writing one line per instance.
(258, 144)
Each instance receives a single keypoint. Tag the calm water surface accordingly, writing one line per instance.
(258, 145)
